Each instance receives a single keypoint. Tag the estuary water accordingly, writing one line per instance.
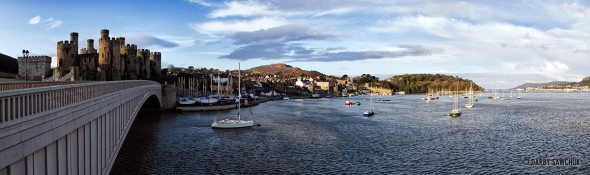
(407, 135)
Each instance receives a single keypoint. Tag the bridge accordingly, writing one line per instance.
(68, 127)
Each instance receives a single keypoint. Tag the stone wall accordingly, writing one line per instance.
(38, 67)
(168, 96)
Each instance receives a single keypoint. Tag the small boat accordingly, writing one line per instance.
(285, 98)
(207, 100)
(370, 111)
(186, 101)
(470, 104)
(351, 103)
(237, 123)
(456, 112)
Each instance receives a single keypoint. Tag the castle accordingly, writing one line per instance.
(114, 60)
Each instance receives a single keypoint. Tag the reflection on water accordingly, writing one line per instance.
(406, 135)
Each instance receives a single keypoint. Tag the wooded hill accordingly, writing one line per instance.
(553, 83)
(283, 70)
(420, 83)
(584, 82)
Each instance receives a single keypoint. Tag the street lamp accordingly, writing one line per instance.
(26, 56)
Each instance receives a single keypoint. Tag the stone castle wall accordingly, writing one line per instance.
(36, 67)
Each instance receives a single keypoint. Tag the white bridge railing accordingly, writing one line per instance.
(19, 100)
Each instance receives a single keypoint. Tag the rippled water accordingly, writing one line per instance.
(406, 135)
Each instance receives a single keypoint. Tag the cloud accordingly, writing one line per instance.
(284, 33)
(145, 41)
(297, 53)
(227, 27)
(336, 11)
(574, 9)
(243, 9)
(201, 2)
(51, 23)
(35, 20)
(55, 24)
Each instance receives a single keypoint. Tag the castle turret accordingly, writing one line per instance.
(129, 56)
(116, 58)
(89, 47)
(143, 66)
(155, 59)
(104, 54)
(90, 44)
(66, 55)
(74, 41)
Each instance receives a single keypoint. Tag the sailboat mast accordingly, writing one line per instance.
(239, 90)
(456, 105)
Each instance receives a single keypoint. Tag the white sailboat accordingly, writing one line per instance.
(186, 101)
(456, 112)
(370, 112)
(234, 123)
(470, 104)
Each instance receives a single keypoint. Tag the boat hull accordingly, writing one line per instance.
(368, 113)
(229, 124)
(207, 108)
(468, 106)
(455, 114)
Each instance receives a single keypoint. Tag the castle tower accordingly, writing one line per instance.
(109, 58)
(155, 66)
(104, 51)
(129, 58)
(74, 41)
(89, 47)
(143, 66)
(116, 58)
(122, 57)
(66, 56)
(90, 44)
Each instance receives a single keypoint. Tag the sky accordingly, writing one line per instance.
(496, 43)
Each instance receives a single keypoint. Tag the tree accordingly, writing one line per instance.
(191, 69)
(344, 77)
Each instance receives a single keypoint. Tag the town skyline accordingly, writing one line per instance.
(496, 44)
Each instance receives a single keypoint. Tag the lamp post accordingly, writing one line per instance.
(26, 56)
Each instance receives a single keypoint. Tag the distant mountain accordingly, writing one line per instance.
(552, 83)
(8, 64)
(283, 69)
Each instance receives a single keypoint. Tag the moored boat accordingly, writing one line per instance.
(234, 123)
(186, 101)
(456, 112)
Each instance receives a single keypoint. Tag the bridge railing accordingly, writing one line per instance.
(19, 103)
(33, 84)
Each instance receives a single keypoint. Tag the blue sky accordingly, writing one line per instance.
(498, 44)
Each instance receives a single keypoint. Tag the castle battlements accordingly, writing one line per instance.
(35, 58)
(63, 43)
(131, 47)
